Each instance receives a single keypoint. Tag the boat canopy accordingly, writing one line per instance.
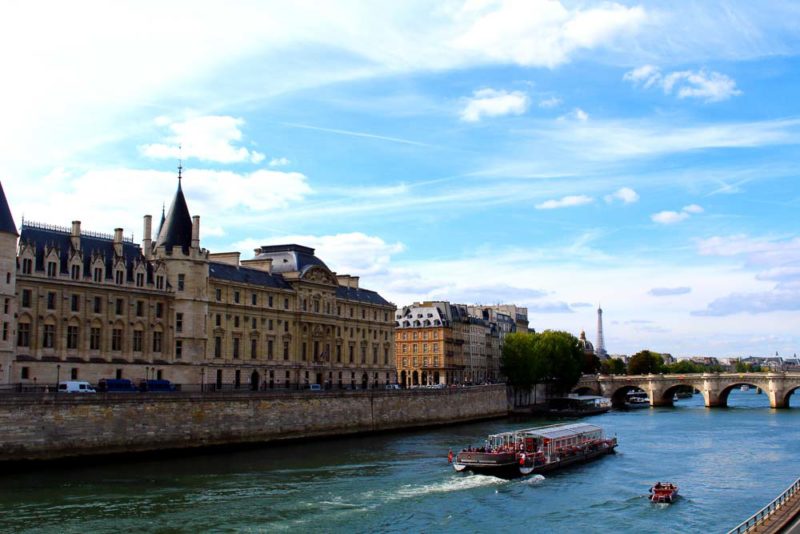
(554, 432)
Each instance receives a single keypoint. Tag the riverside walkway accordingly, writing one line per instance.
(782, 515)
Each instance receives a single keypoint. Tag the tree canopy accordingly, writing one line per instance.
(551, 356)
(645, 362)
(613, 366)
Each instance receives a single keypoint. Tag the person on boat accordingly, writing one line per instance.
(450, 457)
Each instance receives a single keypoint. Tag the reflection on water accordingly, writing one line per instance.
(728, 462)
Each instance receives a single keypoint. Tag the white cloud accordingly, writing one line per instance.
(279, 162)
(551, 102)
(207, 138)
(624, 194)
(710, 86)
(541, 33)
(350, 253)
(669, 217)
(576, 114)
(669, 291)
(693, 209)
(565, 202)
(494, 103)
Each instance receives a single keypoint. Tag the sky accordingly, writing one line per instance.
(556, 155)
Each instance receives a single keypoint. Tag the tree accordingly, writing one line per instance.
(612, 366)
(645, 362)
(684, 366)
(563, 355)
(591, 363)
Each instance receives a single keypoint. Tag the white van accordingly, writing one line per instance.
(75, 386)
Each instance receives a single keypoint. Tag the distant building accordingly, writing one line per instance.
(600, 348)
(585, 344)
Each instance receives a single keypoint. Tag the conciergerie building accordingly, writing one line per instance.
(80, 305)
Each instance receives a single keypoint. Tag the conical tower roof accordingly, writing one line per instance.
(6, 220)
(176, 230)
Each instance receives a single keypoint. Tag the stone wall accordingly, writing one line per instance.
(50, 427)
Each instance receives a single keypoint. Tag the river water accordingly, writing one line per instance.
(727, 462)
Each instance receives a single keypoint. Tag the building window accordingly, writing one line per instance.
(254, 299)
(24, 334)
(286, 351)
(253, 323)
(385, 356)
(269, 325)
(179, 322)
(159, 282)
(98, 305)
(181, 283)
(26, 298)
(157, 338)
(72, 337)
(49, 336)
(405, 349)
(51, 269)
(51, 300)
(178, 349)
(236, 297)
(316, 306)
(118, 307)
(75, 303)
(375, 354)
(218, 347)
(363, 354)
(236, 321)
(435, 347)
(351, 353)
(269, 349)
(25, 373)
(236, 348)
(139, 308)
(98, 274)
(253, 348)
(269, 301)
(303, 351)
(159, 310)
(285, 304)
(286, 326)
(5, 305)
(119, 277)
(27, 266)
(338, 354)
(139, 279)
(94, 339)
(304, 304)
(73, 373)
(137, 340)
(363, 313)
(218, 294)
(116, 339)
(218, 320)
(76, 272)
(5, 331)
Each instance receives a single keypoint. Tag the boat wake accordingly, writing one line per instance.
(460, 483)
(534, 480)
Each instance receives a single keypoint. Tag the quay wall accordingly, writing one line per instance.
(48, 427)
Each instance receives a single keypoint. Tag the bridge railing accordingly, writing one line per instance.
(768, 510)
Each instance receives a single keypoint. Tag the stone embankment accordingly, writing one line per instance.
(53, 427)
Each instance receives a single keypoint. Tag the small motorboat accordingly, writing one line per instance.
(663, 492)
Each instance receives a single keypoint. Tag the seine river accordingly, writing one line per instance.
(728, 463)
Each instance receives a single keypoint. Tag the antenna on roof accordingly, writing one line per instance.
(180, 162)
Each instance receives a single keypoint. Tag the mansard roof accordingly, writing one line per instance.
(289, 258)
(176, 230)
(245, 275)
(43, 237)
(6, 220)
(362, 295)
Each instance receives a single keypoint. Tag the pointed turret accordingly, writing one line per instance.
(6, 220)
(176, 229)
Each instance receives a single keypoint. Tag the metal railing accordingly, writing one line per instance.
(768, 510)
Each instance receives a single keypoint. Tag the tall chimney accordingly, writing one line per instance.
(118, 241)
(75, 235)
(196, 231)
(147, 242)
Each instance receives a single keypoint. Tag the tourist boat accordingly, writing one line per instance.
(536, 450)
(744, 387)
(663, 492)
(578, 405)
(683, 394)
(637, 399)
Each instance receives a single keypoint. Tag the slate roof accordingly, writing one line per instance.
(176, 230)
(6, 220)
(42, 236)
(245, 275)
(361, 295)
(288, 258)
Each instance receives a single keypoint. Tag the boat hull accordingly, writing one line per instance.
(512, 468)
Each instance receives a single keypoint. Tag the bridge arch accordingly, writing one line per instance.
(726, 391)
(585, 390)
(788, 395)
(619, 395)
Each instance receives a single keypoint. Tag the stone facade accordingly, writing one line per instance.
(58, 426)
(86, 306)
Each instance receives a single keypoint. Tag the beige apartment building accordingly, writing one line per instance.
(84, 306)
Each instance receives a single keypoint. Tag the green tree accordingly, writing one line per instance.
(742, 367)
(613, 366)
(563, 355)
(645, 362)
(591, 363)
(684, 366)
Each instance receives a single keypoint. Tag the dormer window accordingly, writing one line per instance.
(51, 269)
(98, 274)
(27, 266)
(139, 279)
(76, 272)
(119, 277)
(159, 282)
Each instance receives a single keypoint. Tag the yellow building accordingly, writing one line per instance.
(85, 306)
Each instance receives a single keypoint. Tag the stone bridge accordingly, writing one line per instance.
(715, 387)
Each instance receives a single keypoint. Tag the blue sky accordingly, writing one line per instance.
(553, 154)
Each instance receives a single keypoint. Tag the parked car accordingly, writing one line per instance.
(315, 387)
(75, 386)
(116, 385)
(157, 386)
(391, 386)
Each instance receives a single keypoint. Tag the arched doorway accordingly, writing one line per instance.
(403, 379)
(424, 378)
(436, 377)
(414, 379)
(254, 381)
(364, 381)
(219, 379)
